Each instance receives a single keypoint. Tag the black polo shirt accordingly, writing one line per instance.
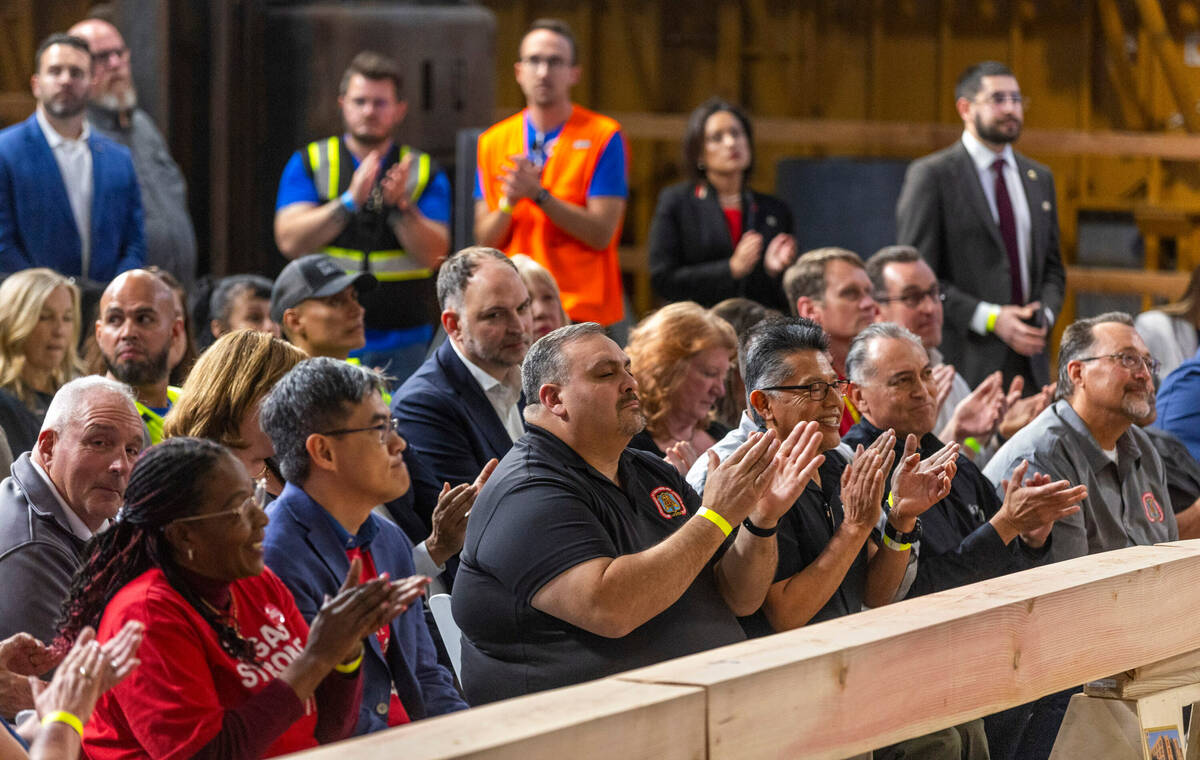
(543, 511)
(804, 532)
(958, 544)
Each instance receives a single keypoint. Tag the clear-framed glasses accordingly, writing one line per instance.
(998, 99)
(914, 299)
(256, 501)
(552, 63)
(1129, 361)
(383, 429)
(816, 391)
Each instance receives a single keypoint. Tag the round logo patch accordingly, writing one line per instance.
(1154, 512)
(670, 504)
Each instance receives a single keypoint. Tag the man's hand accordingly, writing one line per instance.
(682, 455)
(943, 381)
(1023, 338)
(977, 415)
(797, 459)
(521, 178)
(450, 516)
(1021, 411)
(1032, 506)
(919, 484)
(364, 177)
(745, 255)
(735, 486)
(863, 481)
(395, 184)
(781, 252)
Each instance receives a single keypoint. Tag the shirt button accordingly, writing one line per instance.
(382, 708)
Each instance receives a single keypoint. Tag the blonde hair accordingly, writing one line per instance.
(22, 296)
(226, 382)
(660, 347)
(532, 272)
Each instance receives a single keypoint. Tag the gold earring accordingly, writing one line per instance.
(191, 554)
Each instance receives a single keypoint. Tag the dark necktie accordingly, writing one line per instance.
(1008, 231)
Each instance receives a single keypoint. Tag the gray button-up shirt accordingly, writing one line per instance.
(1127, 504)
(170, 236)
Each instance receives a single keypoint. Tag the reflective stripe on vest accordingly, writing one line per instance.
(324, 162)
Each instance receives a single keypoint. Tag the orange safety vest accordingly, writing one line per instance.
(589, 279)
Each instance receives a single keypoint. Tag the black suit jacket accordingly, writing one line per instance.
(690, 247)
(448, 421)
(943, 212)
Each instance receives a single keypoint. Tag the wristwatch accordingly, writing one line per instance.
(896, 536)
(760, 532)
(542, 196)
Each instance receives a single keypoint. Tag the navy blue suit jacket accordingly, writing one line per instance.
(303, 548)
(37, 228)
(446, 418)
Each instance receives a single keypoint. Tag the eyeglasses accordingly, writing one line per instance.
(536, 62)
(915, 299)
(998, 99)
(383, 429)
(104, 56)
(245, 511)
(1129, 361)
(816, 391)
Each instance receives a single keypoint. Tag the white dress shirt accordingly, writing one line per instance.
(983, 157)
(76, 525)
(503, 398)
(74, 159)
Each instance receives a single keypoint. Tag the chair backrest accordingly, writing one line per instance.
(439, 605)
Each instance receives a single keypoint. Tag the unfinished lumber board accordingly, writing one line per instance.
(600, 720)
(1147, 679)
(863, 681)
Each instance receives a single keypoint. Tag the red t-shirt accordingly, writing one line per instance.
(733, 220)
(173, 704)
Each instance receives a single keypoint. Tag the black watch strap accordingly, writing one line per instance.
(760, 532)
(542, 196)
(911, 537)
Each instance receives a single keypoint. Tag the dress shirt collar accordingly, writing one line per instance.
(76, 525)
(488, 383)
(53, 137)
(1128, 449)
(983, 157)
(312, 513)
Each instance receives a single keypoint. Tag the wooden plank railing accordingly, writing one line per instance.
(846, 686)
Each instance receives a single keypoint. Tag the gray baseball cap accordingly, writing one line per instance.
(313, 276)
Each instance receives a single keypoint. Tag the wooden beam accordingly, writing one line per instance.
(846, 686)
(600, 720)
(920, 137)
(1171, 61)
(1169, 285)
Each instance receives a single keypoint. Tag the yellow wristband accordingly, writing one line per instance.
(62, 716)
(715, 519)
(890, 501)
(991, 321)
(895, 545)
(505, 206)
(349, 667)
(972, 444)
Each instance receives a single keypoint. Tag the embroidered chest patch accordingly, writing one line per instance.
(670, 504)
(1154, 512)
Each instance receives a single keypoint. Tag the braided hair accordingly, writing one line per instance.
(167, 483)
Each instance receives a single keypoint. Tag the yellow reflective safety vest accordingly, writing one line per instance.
(152, 420)
(406, 296)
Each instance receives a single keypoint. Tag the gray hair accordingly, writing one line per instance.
(891, 254)
(766, 347)
(1078, 340)
(858, 369)
(68, 402)
(312, 398)
(459, 268)
(545, 362)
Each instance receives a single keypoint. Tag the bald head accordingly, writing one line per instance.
(137, 325)
(112, 80)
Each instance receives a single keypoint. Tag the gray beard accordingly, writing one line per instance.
(112, 102)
